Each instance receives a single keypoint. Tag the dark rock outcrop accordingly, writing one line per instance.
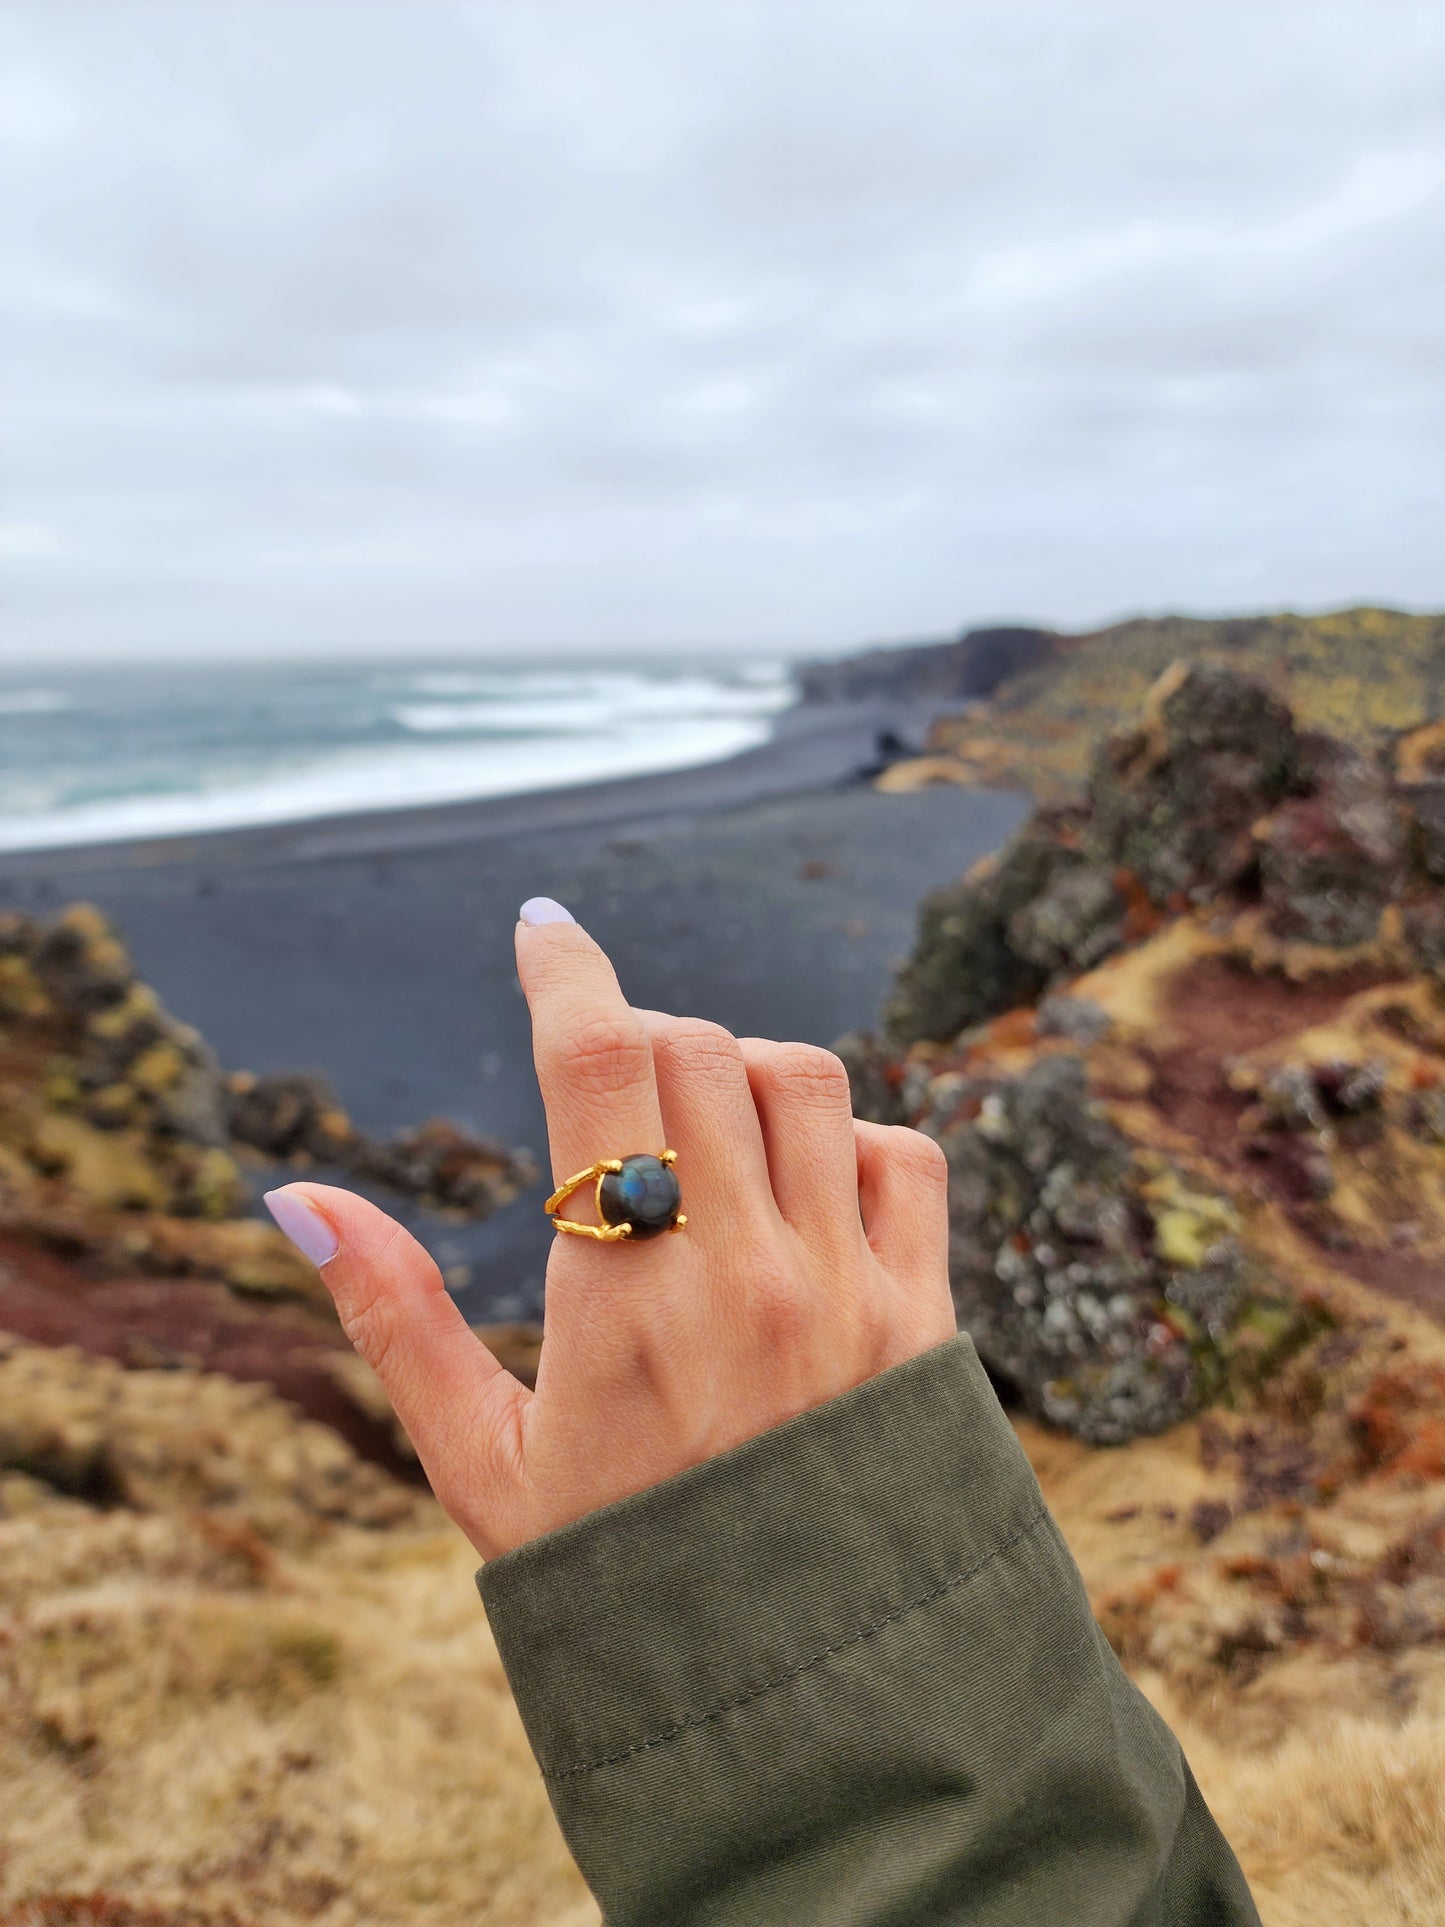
(1056, 1261)
(297, 1118)
(1212, 789)
(1173, 798)
(1099, 1270)
(1333, 857)
(965, 965)
(965, 670)
(135, 1105)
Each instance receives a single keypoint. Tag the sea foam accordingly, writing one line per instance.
(189, 750)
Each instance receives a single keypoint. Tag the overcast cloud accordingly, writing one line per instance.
(544, 322)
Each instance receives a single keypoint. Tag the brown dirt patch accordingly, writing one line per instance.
(1412, 1276)
(1221, 1009)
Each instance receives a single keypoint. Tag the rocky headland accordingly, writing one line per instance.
(1037, 700)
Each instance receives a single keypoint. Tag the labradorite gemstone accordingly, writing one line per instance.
(645, 1194)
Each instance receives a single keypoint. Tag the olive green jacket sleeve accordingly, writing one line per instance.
(846, 1676)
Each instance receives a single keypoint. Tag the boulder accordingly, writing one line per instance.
(1096, 1292)
(964, 967)
(1332, 858)
(1174, 796)
(1074, 924)
(1427, 831)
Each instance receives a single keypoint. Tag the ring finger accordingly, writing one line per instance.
(805, 1109)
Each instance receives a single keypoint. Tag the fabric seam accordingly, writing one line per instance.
(868, 1631)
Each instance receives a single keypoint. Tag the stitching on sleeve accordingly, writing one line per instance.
(867, 1631)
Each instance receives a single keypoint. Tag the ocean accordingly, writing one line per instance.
(93, 754)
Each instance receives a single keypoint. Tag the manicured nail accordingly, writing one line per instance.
(544, 910)
(304, 1226)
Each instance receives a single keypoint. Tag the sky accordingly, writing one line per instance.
(671, 324)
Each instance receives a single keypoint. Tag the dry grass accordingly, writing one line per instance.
(1342, 1823)
(1323, 1762)
(338, 1747)
(204, 1707)
(210, 1717)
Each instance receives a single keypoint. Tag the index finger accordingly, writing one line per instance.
(593, 1056)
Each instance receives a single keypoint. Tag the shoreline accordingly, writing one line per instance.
(772, 892)
(811, 745)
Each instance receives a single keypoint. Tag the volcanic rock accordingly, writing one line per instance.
(1149, 1012)
(965, 965)
(1174, 796)
(1332, 858)
(1089, 1299)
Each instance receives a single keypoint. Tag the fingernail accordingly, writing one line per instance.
(544, 910)
(304, 1226)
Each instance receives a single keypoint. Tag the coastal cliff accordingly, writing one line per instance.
(1210, 994)
(965, 670)
(1039, 700)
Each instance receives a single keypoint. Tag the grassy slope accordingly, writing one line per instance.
(1356, 673)
(245, 1713)
(261, 1688)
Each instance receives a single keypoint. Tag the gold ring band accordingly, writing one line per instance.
(637, 1197)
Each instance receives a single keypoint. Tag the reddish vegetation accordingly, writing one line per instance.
(1398, 1424)
(1413, 1277)
(185, 1322)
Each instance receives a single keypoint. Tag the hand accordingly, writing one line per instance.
(815, 1254)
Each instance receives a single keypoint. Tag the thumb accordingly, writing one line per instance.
(462, 1410)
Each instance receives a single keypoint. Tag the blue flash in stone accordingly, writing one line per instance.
(644, 1194)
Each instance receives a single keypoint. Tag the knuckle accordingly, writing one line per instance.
(813, 1075)
(921, 1156)
(781, 1319)
(370, 1326)
(604, 1053)
(370, 1316)
(703, 1049)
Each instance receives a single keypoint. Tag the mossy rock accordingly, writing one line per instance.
(113, 1169)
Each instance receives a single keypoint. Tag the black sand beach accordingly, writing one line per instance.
(771, 893)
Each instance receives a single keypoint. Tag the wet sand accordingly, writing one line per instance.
(771, 893)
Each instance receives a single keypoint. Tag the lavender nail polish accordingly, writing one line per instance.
(306, 1228)
(544, 910)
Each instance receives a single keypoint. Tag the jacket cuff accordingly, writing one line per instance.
(678, 1607)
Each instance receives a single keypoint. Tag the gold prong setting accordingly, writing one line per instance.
(636, 1197)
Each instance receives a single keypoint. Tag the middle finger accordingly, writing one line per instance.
(708, 1112)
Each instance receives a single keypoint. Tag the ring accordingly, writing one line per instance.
(637, 1197)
